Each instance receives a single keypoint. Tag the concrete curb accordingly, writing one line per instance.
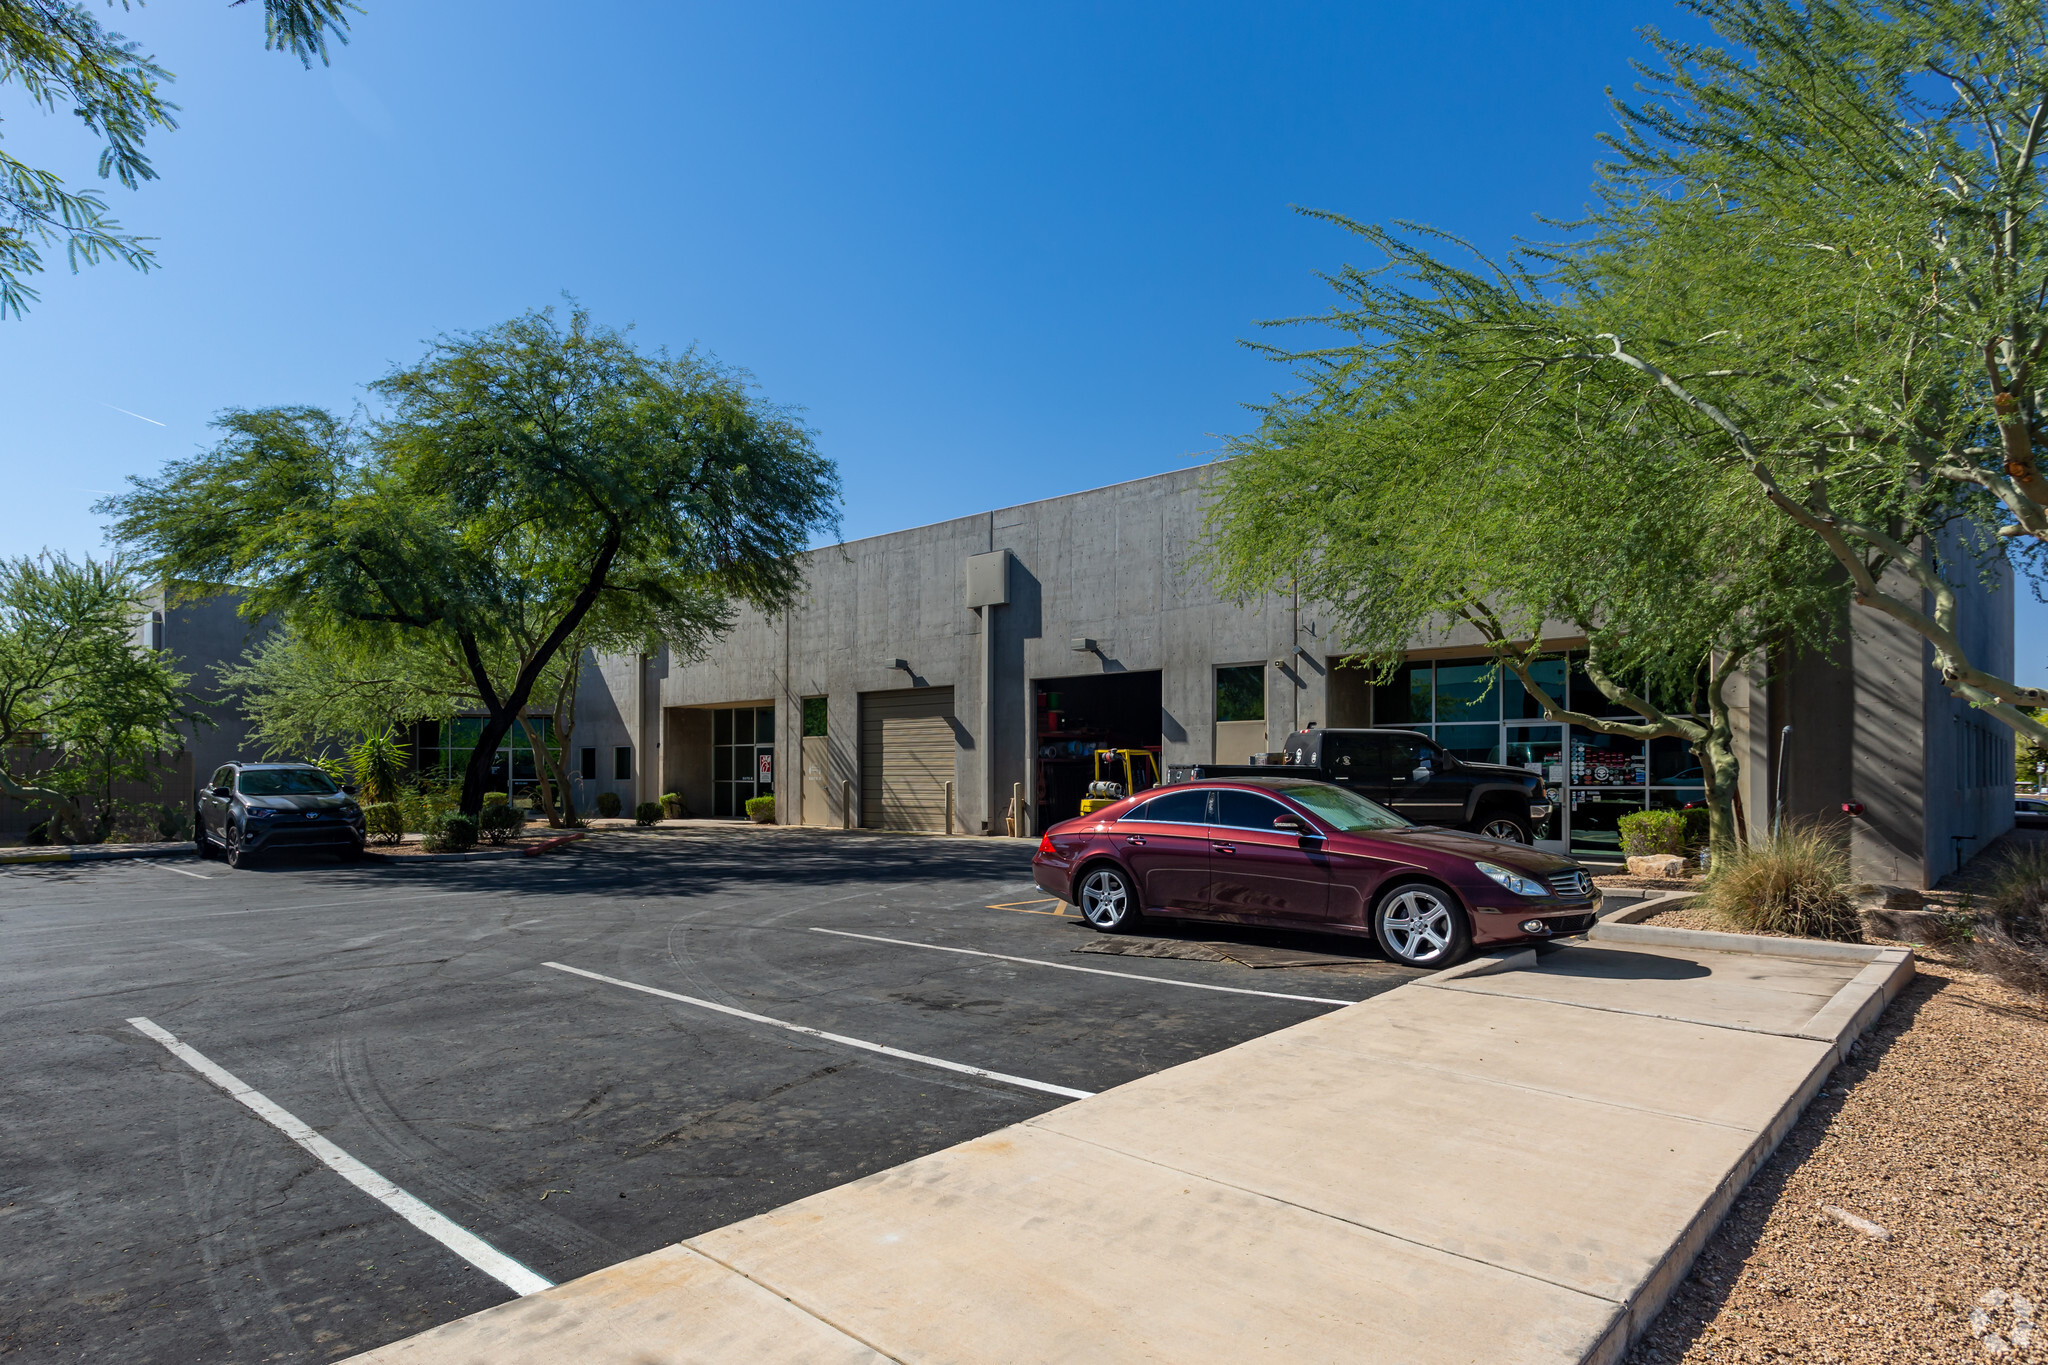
(1839, 1024)
(98, 853)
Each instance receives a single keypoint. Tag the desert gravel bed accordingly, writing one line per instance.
(1934, 1132)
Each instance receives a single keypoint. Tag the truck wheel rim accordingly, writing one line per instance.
(1103, 899)
(1418, 925)
(1503, 829)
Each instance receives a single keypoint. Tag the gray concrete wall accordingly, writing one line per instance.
(1120, 566)
(199, 634)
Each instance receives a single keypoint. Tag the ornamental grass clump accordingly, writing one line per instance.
(2010, 941)
(1793, 883)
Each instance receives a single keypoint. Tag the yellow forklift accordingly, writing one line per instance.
(1119, 773)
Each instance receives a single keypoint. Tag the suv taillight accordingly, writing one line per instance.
(1045, 846)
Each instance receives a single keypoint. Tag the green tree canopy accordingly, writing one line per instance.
(81, 706)
(1812, 291)
(530, 486)
(59, 55)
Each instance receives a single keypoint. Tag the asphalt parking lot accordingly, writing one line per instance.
(409, 1016)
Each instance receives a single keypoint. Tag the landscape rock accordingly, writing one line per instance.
(1906, 926)
(1656, 865)
(1888, 896)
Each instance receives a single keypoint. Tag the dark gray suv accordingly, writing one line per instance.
(248, 809)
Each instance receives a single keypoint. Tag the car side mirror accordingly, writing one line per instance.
(1292, 822)
(222, 791)
(348, 789)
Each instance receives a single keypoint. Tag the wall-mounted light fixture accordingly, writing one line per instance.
(1081, 644)
(903, 664)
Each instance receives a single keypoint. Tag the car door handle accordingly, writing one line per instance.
(1224, 848)
(1134, 838)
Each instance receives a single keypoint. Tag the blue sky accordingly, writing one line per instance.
(995, 254)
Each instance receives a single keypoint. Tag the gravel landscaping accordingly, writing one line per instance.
(1905, 1218)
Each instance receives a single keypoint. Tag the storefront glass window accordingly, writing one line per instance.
(1548, 674)
(1404, 699)
(1467, 692)
(742, 757)
(1473, 743)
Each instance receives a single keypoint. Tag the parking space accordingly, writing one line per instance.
(735, 1019)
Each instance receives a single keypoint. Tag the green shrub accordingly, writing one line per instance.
(496, 799)
(1698, 827)
(608, 805)
(383, 823)
(1652, 831)
(423, 810)
(647, 813)
(499, 822)
(455, 834)
(672, 807)
(1792, 884)
(761, 810)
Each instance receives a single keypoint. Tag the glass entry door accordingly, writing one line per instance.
(742, 757)
(1540, 749)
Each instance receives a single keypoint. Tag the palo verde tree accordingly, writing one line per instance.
(1390, 490)
(59, 55)
(527, 483)
(81, 706)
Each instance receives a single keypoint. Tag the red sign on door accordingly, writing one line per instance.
(767, 777)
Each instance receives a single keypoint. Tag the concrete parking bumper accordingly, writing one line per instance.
(1513, 1161)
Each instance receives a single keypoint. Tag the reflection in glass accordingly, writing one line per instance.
(1548, 675)
(1540, 749)
(1678, 798)
(1672, 761)
(1404, 698)
(1594, 817)
(1467, 692)
(1473, 743)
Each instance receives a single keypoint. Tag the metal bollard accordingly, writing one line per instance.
(1017, 811)
(845, 805)
(949, 808)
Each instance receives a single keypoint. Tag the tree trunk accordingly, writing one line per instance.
(565, 730)
(496, 727)
(541, 765)
(1721, 769)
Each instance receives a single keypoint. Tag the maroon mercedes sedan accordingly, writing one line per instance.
(1309, 855)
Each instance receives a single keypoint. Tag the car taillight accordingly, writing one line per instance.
(1045, 846)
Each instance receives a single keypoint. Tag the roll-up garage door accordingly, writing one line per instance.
(906, 758)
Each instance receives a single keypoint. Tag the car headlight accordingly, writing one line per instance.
(1539, 810)
(1513, 881)
(261, 813)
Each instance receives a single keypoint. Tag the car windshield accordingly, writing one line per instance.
(285, 782)
(1346, 811)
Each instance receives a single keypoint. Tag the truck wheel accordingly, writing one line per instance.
(1503, 827)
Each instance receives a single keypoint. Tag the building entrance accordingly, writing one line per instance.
(742, 757)
(1077, 716)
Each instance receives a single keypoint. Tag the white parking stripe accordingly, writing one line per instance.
(459, 1240)
(1092, 971)
(179, 870)
(840, 1038)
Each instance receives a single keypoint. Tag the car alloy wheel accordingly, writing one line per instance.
(1107, 901)
(231, 851)
(1419, 927)
(1502, 827)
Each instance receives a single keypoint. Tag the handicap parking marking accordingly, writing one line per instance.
(1059, 907)
(1024, 1082)
(1091, 971)
(458, 1239)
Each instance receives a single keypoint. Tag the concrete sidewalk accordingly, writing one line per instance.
(1513, 1161)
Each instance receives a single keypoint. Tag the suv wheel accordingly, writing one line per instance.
(1504, 827)
(231, 849)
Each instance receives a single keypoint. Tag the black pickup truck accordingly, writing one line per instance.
(1410, 775)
